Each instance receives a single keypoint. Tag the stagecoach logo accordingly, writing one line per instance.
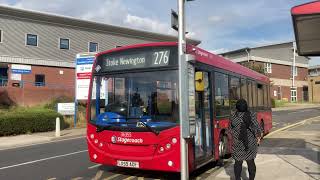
(115, 139)
(98, 68)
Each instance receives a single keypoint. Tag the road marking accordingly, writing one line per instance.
(77, 178)
(50, 141)
(44, 159)
(131, 177)
(292, 125)
(111, 177)
(98, 175)
(97, 165)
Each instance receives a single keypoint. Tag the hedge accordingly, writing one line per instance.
(28, 120)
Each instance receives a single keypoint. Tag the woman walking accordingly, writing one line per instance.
(246, 134)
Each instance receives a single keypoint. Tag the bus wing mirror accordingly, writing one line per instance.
(199, 81)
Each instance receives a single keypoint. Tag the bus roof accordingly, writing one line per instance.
(204, 57)
(225, 64)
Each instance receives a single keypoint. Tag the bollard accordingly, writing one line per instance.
(57, 127)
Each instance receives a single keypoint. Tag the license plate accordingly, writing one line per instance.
(131, 164)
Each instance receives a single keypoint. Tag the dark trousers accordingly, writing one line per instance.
(251, 169)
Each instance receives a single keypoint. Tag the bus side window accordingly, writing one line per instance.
(249, 83)
(254, 95)
(265, 96)
(221, 106)
(234, 92)
(260, 94)
(244, 89)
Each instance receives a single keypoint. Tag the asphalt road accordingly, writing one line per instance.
(68, 159)
(281, 119)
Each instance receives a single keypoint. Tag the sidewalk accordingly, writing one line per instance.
(293, 154)
(35, 138)
(296, 107)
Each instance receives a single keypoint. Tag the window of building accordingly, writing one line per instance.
(244, 89)
(294, 70)
(32, 40)
(234, 91)
(268, 67)
(222, 105)
(64, 43)
(93, 47)
(39, 80)
(260, 95)
(293, 94)
(1, 36)
(249, 85)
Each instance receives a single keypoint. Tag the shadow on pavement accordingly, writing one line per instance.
(287, 146)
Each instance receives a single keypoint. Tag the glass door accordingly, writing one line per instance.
(203, 139)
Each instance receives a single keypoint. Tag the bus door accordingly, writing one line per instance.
(203, 147)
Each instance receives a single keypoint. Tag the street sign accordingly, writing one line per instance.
(20, 69)
(174, 20)
(66, 108)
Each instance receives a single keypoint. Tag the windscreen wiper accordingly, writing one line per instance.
(146, 125)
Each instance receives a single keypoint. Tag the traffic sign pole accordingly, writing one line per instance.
(183, 96)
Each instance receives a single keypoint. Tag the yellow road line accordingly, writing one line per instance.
(131, 177)
(111, 177)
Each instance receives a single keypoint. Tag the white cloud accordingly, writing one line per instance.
(218, 51)
(148, 24)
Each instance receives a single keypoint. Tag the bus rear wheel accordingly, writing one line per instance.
(223, 143)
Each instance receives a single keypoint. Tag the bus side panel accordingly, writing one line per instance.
(266, 117)
(220, 128)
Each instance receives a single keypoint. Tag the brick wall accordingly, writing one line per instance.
(56, 85)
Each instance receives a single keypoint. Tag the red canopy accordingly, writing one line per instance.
(306, 23)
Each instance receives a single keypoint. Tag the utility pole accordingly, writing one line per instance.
(294, 64)
(294, 71)
(183, 105)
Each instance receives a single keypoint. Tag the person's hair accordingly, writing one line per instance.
(242, 105)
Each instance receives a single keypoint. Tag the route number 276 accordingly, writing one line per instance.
(161, 58)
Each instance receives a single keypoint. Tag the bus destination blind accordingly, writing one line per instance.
(134, 60)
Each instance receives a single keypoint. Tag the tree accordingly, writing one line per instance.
(256, 67)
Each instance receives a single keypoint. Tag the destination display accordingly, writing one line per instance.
(135, 60)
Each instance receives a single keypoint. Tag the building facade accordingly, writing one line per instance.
(288, 77)
(314, 84)
(37, 52)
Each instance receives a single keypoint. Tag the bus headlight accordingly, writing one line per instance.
(174, 140)
(168, 146)
(161, 149)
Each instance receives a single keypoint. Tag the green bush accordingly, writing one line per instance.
(273, 103)
(28, 120)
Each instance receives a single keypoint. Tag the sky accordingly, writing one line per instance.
(221, 25)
